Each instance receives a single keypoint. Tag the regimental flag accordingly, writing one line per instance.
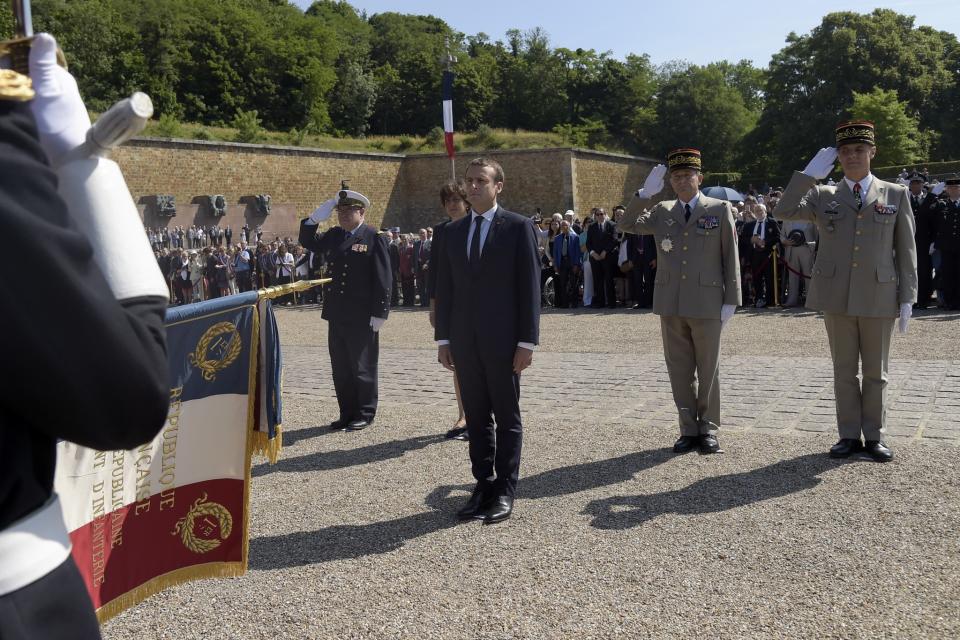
(176, 508)
(448, 111)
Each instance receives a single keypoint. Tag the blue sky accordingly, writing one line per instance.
(699, 31)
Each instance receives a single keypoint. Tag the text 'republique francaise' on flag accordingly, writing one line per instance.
(176, 508)
(448, 111)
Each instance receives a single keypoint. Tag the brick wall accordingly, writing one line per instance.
(404, 191)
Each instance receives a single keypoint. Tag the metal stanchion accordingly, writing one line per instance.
(776, 280)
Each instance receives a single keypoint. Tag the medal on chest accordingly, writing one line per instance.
(666, 245)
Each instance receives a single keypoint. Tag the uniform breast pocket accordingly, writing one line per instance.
(884, 218)
(705, 237)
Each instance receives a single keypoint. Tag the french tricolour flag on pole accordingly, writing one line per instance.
(448, 111)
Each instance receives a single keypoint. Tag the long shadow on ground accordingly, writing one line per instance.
(341, 542)
(343, 458)
(714, 494)
(590, 475)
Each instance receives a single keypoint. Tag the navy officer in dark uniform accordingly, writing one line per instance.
(83, 348)
(926, 209)
(355, 304)
(948, 243)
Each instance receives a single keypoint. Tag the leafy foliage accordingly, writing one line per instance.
(265, 65)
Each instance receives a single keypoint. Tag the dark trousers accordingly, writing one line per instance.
(407, 284)
(604, 293)
(354, 351)
(564, 282)
(243, 281)
(422, 288)
(288, 297)
(949, 274)
(924, 275)
(642, 276)
(761, 264)
(491, 403)
(55, 606)
(395, 290)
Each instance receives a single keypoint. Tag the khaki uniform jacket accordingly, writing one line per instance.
(698, 266)
(867, 261)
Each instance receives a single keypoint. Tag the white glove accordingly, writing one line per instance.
(822, 164)
(938, 188)
(376, 323)
(654, 182)
(323, 212)
(62, 118)
(906, 310)
(726, 312)
(933, 248)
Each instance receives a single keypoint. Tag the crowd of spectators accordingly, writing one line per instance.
(584, 260)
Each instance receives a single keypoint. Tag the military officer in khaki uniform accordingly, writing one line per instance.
(697, 289)
(866, 268)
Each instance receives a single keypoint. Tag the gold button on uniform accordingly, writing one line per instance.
(854, 264)
(856, 248)
(859, 232)
(683, 262)
(683, 277)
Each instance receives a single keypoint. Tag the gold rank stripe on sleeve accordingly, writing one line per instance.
(15, 86)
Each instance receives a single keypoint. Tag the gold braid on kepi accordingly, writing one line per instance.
(856, 131)
(684, 159)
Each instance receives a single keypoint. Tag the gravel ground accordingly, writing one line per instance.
(353, 534)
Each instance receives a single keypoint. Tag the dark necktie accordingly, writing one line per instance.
(686, 213)
(475, 242)
(857, 196)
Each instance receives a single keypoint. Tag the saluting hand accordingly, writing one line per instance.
(522, 359)
(654, 182)
(822, 164)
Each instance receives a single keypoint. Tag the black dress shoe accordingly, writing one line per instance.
(359, 424)
(474, 506)
(463, 436)
(338, 425)
(686, 444)
(846, 447)
(498, 510)
(709, 444)
(878, 451)
(455, 433)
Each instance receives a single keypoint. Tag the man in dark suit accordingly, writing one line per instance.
(926, 210)
(567, 261)
(602, 248)
(760, 236)
(394, 249)
(642, 254)
(355, 304)
(487, 324)
(421, 265)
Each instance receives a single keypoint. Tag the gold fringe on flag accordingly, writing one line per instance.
(268, 447)
(284, 289)
(177, 577)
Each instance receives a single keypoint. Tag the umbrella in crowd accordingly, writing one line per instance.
(723, 193)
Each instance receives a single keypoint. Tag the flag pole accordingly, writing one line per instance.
(448, 60)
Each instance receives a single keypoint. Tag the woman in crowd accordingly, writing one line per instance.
(197, 266)
(453, 198)
(181, 276)
(284, 275)
(587, 271)
(301, 261)
(547, 270)
(407, 283)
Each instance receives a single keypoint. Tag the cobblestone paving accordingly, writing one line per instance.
(759, 393)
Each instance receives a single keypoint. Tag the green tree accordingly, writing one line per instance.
(899, 139)
(353, 99)
(697, 108)
(812, 80)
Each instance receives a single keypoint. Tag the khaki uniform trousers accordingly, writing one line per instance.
(691, 348)
(854, 339)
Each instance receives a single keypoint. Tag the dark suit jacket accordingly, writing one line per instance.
(361, 272)
(641, 250)
(926, 211)
(771, 236)
(601, 238)
(498, 304)
(435, 250)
